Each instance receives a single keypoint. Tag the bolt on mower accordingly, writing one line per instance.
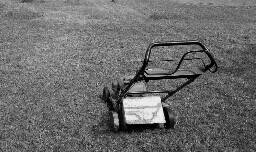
(129, 100)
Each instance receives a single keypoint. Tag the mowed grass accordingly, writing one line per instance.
(56, 57)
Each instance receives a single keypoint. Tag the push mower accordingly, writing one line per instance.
(130, 102)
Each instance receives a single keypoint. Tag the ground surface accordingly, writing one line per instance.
(56, 57)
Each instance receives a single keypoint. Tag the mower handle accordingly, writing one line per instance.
(172, 43)
(140, 72)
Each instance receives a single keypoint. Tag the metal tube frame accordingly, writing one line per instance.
(140, 74)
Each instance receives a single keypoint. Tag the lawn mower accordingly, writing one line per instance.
(129, 100)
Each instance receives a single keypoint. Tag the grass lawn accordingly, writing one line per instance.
(56, 57)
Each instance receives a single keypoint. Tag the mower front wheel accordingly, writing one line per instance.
(123, 125)
(169, 117)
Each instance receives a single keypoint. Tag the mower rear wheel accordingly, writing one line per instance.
(106, 94)
(169, 117)
(114, 120)
(112, 100)
(115, 87)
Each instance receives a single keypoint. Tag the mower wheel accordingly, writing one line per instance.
(114, 120)
(120, 84)
(169, 117)
(111, 104)
(112, 101)
(106, 94)
(123, 125)
(115, 87)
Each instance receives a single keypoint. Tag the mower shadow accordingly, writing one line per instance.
(141, 127)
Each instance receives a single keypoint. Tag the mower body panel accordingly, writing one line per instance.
(143, 110)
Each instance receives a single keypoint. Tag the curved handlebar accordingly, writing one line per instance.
(172, 43)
